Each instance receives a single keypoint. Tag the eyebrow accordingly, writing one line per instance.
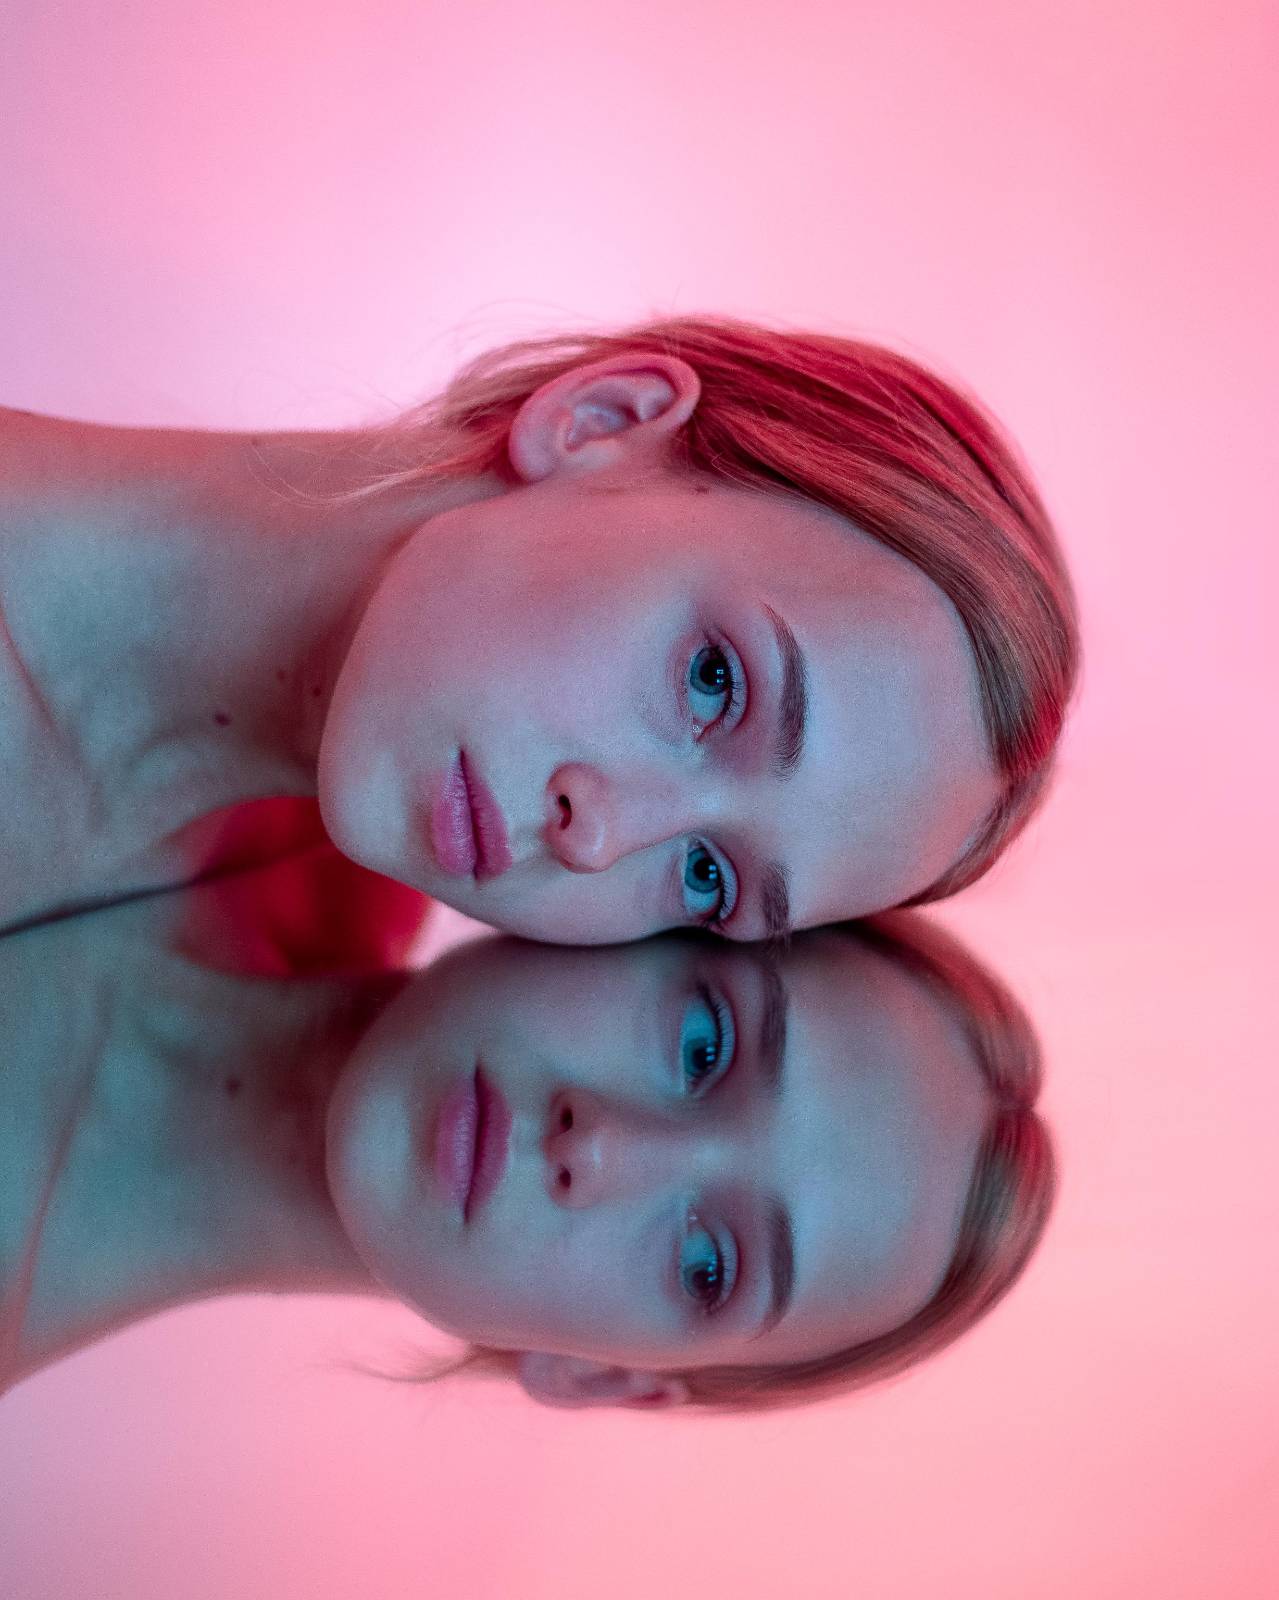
(774, 899)
(792, 717)
(777, 1221)
(772, 1028)
(792, 725)
(781, 1264)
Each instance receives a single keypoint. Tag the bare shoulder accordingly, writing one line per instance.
(60, 472)
(51, 465)
(43, 456)
(58, 475)
(54, 1015)
(108, 578)
(67, 489)
(37, 781)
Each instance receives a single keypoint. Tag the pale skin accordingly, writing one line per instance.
(188, 626)
(161, 1122)
(177, 1132)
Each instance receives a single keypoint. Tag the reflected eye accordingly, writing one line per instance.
(704, 889)
(713, 688)
(704, 1274)
(706, 1043)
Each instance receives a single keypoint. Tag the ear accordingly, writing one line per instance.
(575, 1381)
(601, 414)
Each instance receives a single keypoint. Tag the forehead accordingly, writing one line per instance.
(874, 1146)
(772, 525)
(897, 775)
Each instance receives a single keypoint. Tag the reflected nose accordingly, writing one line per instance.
(598, 1150)
(593, 820)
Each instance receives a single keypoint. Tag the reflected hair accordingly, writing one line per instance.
(869, 433)
(1006, 1209)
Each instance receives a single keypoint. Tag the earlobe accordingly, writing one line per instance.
(576, 1381)
(601, 414)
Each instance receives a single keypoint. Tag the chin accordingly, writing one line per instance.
(363, 815)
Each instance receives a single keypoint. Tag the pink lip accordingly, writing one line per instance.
(468, 834)
(471, 1143)
(493, 850)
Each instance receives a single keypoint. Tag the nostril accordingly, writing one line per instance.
(566, 810)
(566, 1120)
(564, 1179)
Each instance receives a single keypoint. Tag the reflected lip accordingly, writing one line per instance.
(471, 1143)
(467, 830)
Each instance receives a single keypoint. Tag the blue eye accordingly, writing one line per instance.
(703, 885)
(702, 1272)
(706, 1043)
(714, 690)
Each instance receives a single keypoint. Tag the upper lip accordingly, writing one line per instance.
(492, 847)
(492, 1142)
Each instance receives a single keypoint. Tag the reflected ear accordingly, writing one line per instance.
(602, 414)
(576, 1381)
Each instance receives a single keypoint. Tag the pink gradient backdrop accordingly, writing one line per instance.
(287, 213)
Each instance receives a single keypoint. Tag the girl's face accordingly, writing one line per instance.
(659, 1157)
(600, 705)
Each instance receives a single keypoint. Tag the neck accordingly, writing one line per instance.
(273, 574)
(189, 1162)
(185, 602)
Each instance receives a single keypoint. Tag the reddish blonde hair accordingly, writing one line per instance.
(864, 431)
(1008, 1201)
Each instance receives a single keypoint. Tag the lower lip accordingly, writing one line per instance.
(468, 834)
(471, 1143)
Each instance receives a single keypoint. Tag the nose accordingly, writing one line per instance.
(593, 820)
(598, 1150)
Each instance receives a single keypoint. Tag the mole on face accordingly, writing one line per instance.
(221, 718)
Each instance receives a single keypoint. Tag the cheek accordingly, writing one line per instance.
(525, 670)
(587, 1294)
(612, 907)
(519, 1288)
(555, 638)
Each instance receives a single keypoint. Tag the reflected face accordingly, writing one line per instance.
(591, 709)
(687, 1154)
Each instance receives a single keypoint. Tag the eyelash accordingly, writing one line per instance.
(725, 1044)
(723, 1029)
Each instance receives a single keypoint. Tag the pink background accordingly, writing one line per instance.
(287, 213)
